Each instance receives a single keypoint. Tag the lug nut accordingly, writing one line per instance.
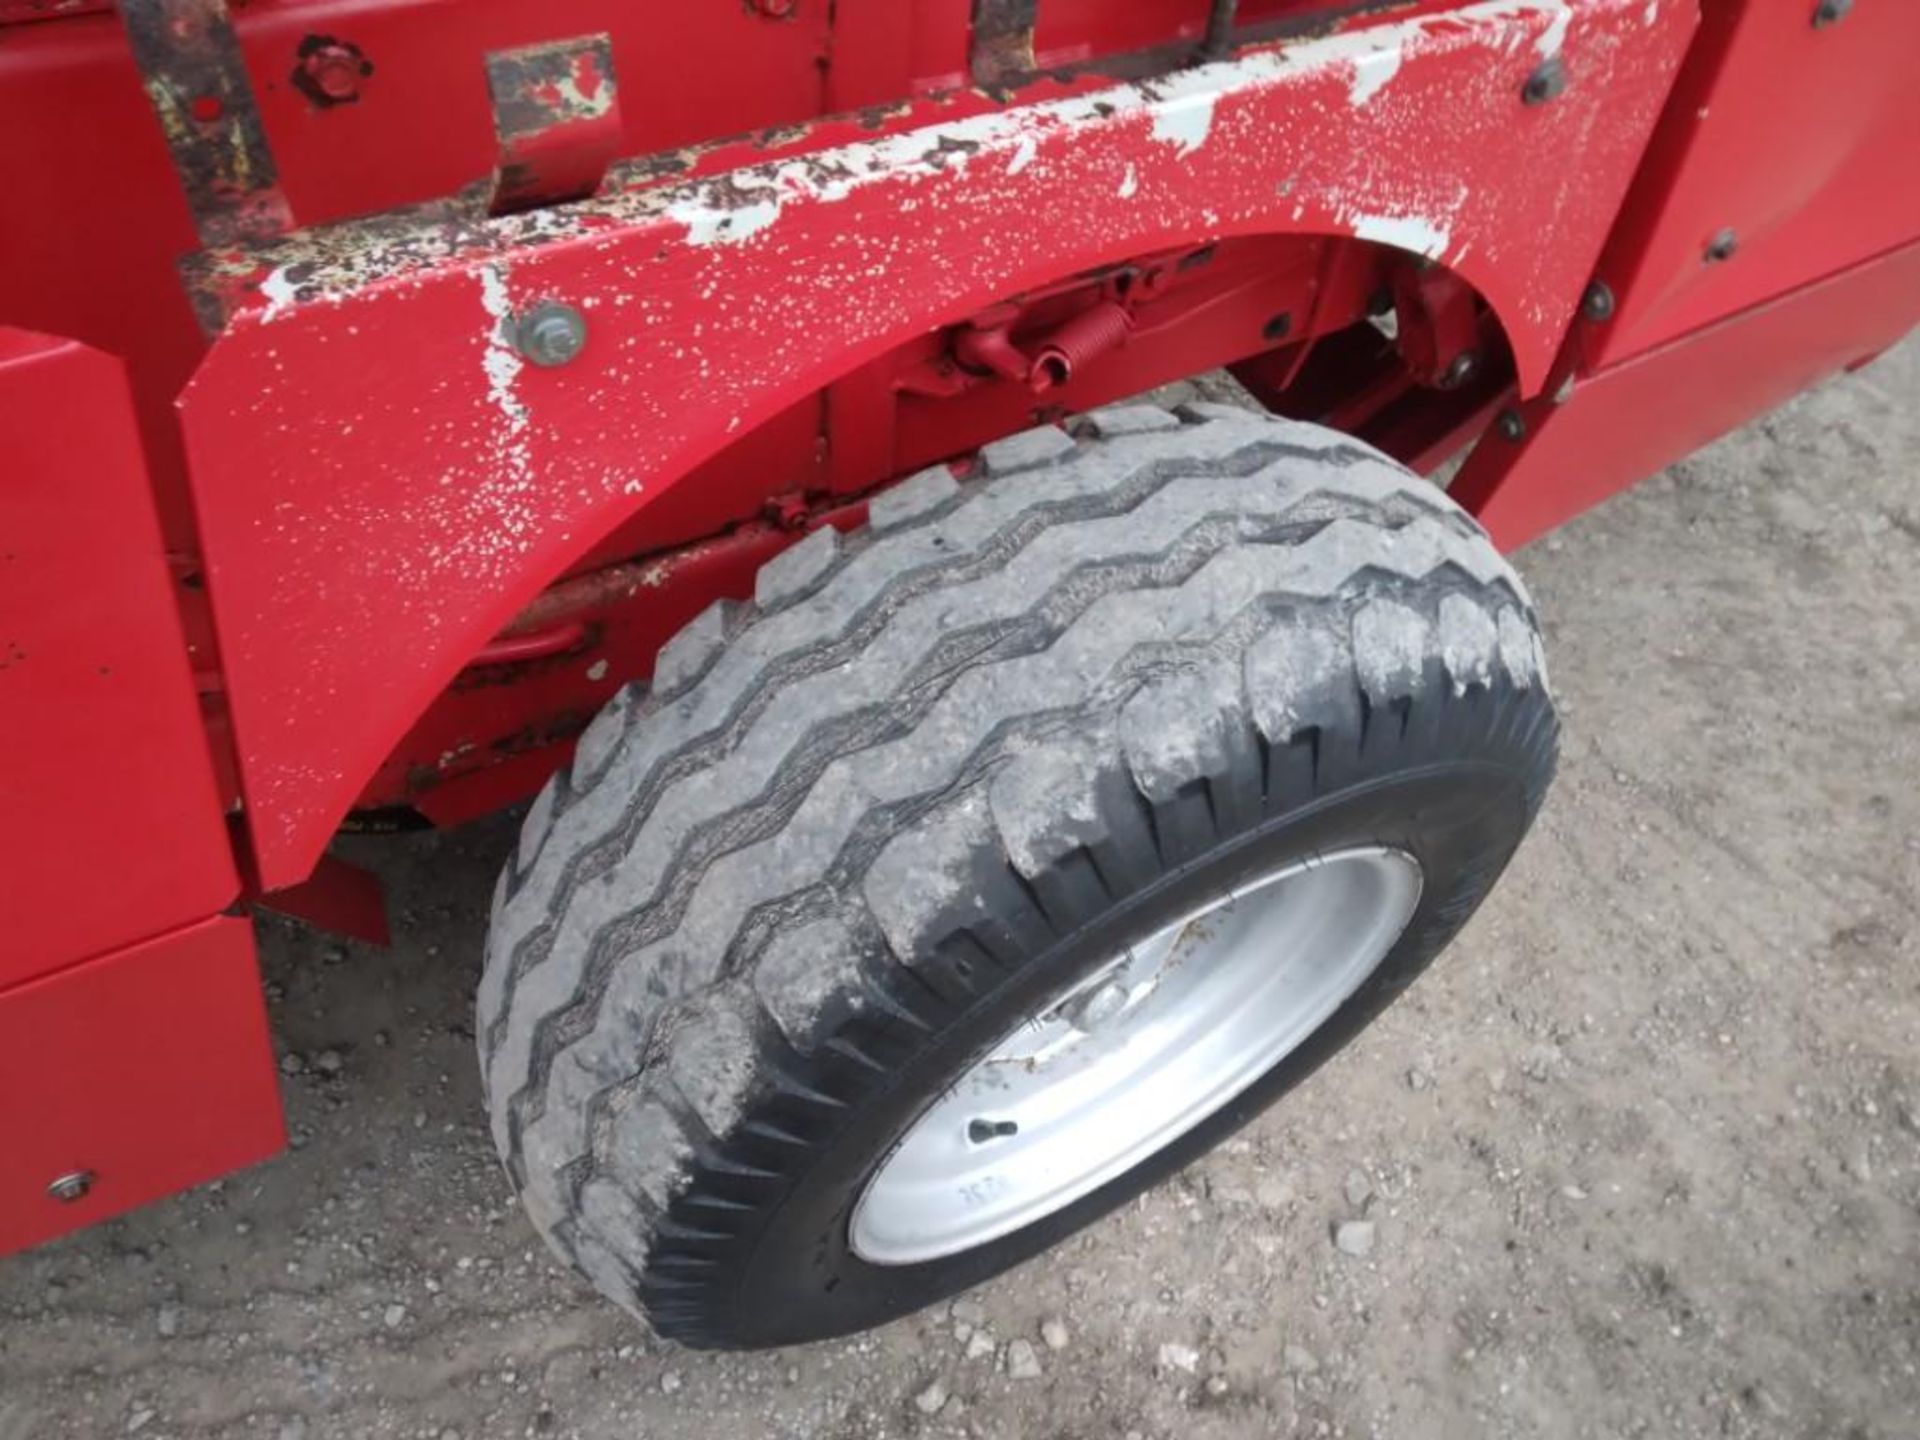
(1722, 246)
(1511, 426)
(1597, 303)
(550, 333)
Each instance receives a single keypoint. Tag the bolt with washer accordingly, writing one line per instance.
(550, 333)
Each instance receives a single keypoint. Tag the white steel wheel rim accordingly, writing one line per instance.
(1136, 1055)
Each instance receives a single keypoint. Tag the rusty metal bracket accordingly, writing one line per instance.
(1002, 48)
(556, 111)
(192, 69)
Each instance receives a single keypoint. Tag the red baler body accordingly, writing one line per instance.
(296, 534)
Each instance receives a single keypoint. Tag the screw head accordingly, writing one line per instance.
(72, 1186)
(1277, 327)
(550, 333)
(1511, 426)
(1830, 12)
(1549, 82)
(1722, 246)
(1597, 303)
(1460, 370)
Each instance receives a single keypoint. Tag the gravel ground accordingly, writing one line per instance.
(1641, 1156)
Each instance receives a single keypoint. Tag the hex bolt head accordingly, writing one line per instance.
(1597, 303)
(336, 71)
(550, 333)
(1548, 82)
(1721, 246)
(1511, 426)
(1830, 12)
(72, 1186)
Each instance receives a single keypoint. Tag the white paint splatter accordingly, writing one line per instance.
(280, 292)
(709, 224)
(1555, 35)
(1129, 184)
(1185, 120)
(1371, 72)
(1023, 155)
(1404, 232)
(502, 362)
(1651, 13)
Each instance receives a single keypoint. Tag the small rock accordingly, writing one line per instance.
(139, 1420)
(1055, 1333)
(971, 1311)
(291, 1064)
(1299, 1360)
(395, 1317)
(1022, 1362)
(1358, 1188)
(1418, 1079)
(930, 1400)
(1174, 1356)
(1274, 1194)
(294, 1428)
(979, 1345)
(670, 1382)
(1216, 1386)
(1573, 1192)
(1354, 1237)
(168, 1322)
(329, 1062)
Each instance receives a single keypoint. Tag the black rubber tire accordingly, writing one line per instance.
(858, 830)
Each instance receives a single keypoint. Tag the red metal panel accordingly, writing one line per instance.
(133, 1075)
(1628, 421)
(1800, 140)
(401, 485)
(112, 826)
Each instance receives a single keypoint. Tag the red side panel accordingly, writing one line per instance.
(132, 1076)
(1630, 420)
(111, 826)
(1800, 141)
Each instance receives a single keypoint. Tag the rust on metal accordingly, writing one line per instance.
(196, 79)
(1002, 53)
(556, 113)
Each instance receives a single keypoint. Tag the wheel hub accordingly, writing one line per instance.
(1136, 1055)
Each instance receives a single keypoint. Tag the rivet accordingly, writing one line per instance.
(72, 1186)
(1722, 246)
(550, 333)
(1549, 82)
(1277, 327)
(1830, 12)
(1511, 426)
(1597, 303)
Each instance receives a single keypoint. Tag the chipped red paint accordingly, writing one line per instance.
(369, 526)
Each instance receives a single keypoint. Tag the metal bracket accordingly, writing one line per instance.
(1002, 49)
(556, 111)
(191, 66)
